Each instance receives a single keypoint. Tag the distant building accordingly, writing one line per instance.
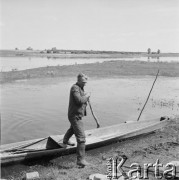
(54, 49)
(49, 51)
(29, 49)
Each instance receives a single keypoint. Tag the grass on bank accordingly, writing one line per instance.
(105, 69)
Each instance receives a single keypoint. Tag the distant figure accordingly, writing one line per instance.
(76, 110)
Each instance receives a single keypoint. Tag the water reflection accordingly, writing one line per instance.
(157, 58)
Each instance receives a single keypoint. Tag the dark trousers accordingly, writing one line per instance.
(76, 128)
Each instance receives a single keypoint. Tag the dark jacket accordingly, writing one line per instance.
(77, 102)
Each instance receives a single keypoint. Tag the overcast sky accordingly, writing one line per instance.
(122, 25)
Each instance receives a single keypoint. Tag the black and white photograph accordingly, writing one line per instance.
(89, 89)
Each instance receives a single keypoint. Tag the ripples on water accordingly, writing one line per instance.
(37, 108)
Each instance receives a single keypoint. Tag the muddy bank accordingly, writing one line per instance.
(105, 69)
(162, 145)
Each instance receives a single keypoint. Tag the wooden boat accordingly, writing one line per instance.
(53, 146)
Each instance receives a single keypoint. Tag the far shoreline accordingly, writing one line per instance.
(82, 54)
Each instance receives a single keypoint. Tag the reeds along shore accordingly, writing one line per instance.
(100, 70)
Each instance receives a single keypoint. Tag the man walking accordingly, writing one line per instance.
(76, 110)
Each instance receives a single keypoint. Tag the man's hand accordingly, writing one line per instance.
(88, 95)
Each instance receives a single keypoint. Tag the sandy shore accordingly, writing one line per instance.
(99, 70)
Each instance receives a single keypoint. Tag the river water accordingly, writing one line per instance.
(38, 108)
(22, 63)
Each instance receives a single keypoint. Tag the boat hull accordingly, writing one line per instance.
(94, 138)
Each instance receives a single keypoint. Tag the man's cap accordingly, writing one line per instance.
(82, 77)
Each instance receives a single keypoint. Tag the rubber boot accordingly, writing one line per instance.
(67, 136)
(81, 155)
(69, 143)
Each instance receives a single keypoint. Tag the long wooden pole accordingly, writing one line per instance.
(97, 122)
(148, 95)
